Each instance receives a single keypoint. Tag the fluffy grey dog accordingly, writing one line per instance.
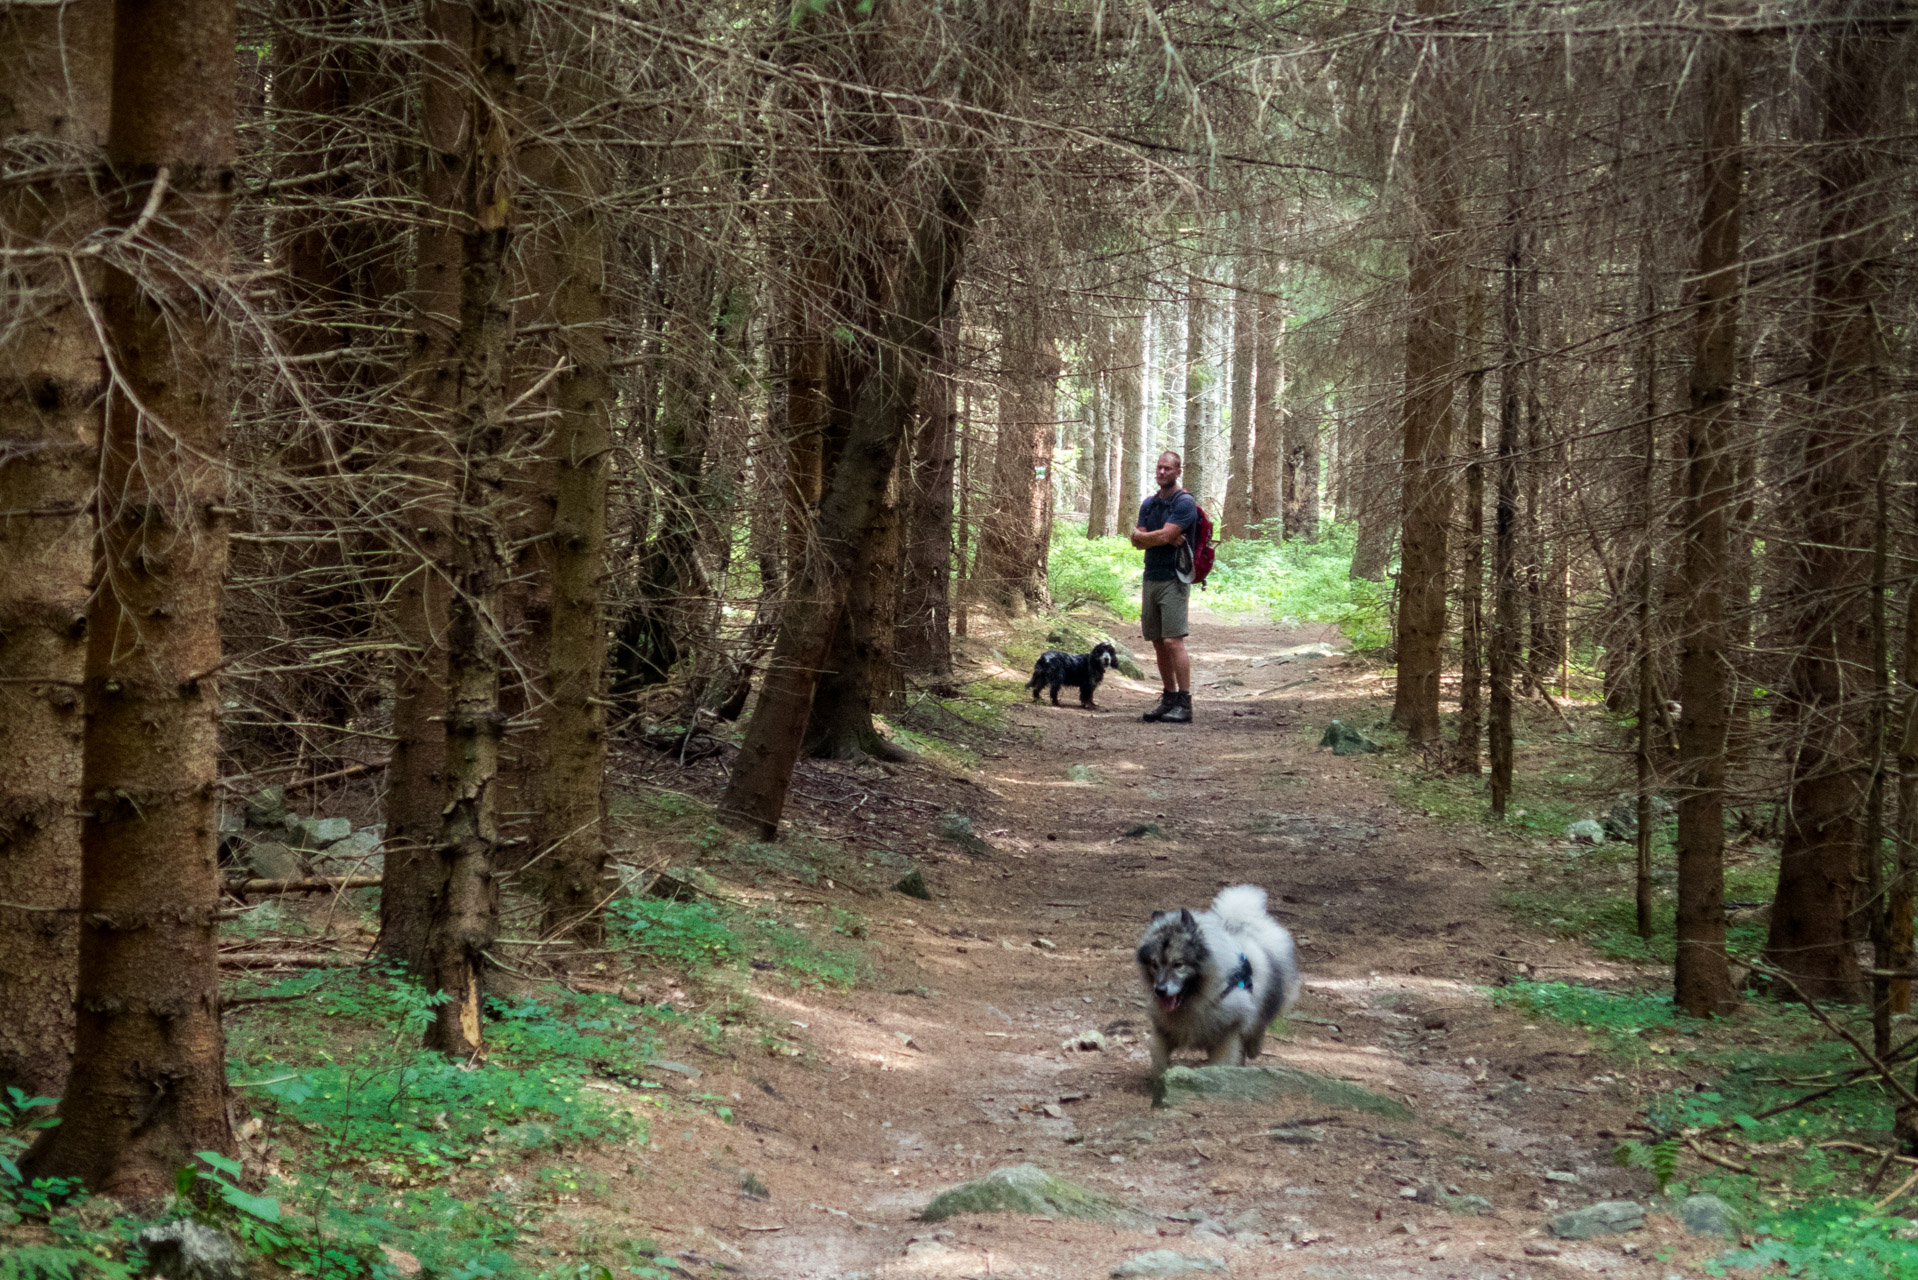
(1215, 980)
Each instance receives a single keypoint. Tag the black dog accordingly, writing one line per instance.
(1086, 670)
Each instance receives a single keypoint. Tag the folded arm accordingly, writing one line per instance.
(1170, 535)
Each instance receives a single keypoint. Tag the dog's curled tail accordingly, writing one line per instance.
(1244, 903)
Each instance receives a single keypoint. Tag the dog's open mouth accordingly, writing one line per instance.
(1169, 1003)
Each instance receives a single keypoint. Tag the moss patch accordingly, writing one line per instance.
(1026, 1188)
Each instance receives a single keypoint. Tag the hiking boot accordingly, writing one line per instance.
(1180, 712)
(1167, 701)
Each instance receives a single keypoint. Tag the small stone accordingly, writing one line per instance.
(189, 1250)
(1707, 1216)
(1607, 1217)
(1143, 831)
(1170, 1262)
(1540, 1249)
(1560, 1175)
(1089, 1041)
(1433, 1021)
(1471, 1206)
(1045, 944)
(267, 807)
(1247, 1223)
(1585, 831)
(927, 1250)
(957, 828)
(1412, 1193)
(318, 833)
(913, 885)
(271, 860)
(361, 849)
(1427, 1193)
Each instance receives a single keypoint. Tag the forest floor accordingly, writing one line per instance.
(871, 1101)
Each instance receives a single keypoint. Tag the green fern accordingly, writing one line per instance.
(1661, 1158)
(59, 1262)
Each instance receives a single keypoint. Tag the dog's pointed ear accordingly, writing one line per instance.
(1157, 914)
(1185, 918)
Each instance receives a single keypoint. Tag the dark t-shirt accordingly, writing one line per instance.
(1182, 509)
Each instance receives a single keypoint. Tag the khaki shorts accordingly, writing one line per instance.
(1162, 609)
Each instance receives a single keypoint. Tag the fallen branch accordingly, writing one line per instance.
(310, 884)
(1903, 1187)
(287, 960)
(1696, 1148)
(1884, 1072)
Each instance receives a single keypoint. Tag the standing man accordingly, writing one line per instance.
(1166, 520)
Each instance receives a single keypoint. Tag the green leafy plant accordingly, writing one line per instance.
(59, 1262)
(1661, 1158)
(222, 1174)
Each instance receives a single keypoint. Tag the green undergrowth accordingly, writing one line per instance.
(1297, 581)
(1806, 1205)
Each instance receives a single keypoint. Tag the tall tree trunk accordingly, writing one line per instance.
(1701, 976)
(1246, 340)
(148, 1086)
(755, 795)
(859, 663)
(1431, 354)
(412, 886)
(1268, 420)
(1099, 489)
(1132, 406)
(1014, 550)
(467, 916)
(1821, 858)
(1471, 639)
(57, 63)
(573, 851)
(1197, 375)
(1505, 601)
(1647, 570)
(924, 641)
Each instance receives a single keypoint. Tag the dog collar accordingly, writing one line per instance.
(1241, 976)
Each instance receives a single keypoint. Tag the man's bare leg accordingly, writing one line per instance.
(1175, 667)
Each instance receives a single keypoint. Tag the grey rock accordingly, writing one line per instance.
(1607, 1217)
(318, 833)
(1585, 831)
(1347, 741)
(1170, 1262)
(1144, 831)
(361, 847)
(1299, 1137)
(1250, 1221)
(1560, 1175)
(913, 885)
(1471, 1206)
(957, 828)
(188, 1250)
(1708, 1216)
(267, 807)
(271, 860)
(1621, 820)
(1026, 1188)
(1187, 1086)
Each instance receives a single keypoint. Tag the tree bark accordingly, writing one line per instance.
(1471, 640)
(1246, 340)
(1099, 488)
(148, 1086)
(1132, 407)
(1197, 374)
(1701, 976)
(1431, 354)
(924, 644)
(1505, 601)
(859, 663)
(414, 887)
(467, 916)
(57, 63)
(1014, 551)
(573, 851)
(1820, 861)
(1267, 502)
(755, 795)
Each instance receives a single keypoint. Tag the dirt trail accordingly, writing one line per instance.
(898, 1096)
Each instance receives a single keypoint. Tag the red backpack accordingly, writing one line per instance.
(1201, 547)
